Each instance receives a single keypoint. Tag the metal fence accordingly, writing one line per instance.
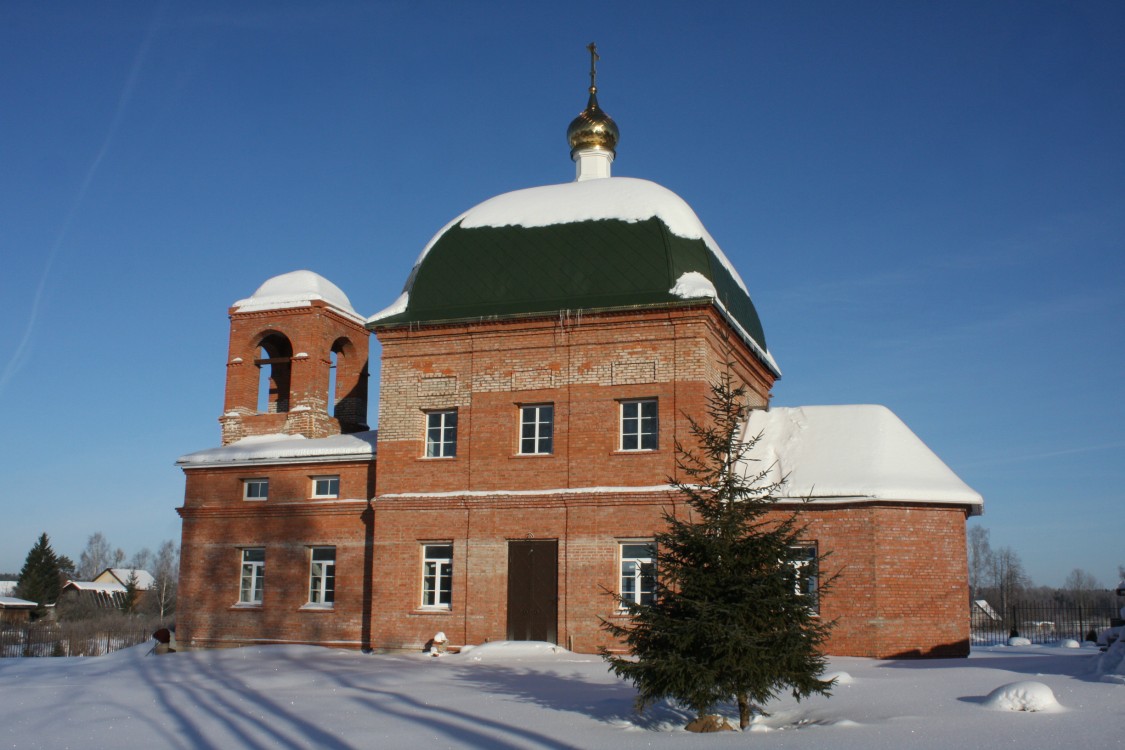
(82, 638)
(1039, 623)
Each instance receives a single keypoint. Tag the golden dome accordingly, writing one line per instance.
(593, 129)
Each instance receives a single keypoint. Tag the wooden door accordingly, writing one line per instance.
(533, 590)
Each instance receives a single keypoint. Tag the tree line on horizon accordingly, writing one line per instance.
(45, 573)
(998, 576)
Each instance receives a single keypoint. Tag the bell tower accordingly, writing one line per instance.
(297, 363)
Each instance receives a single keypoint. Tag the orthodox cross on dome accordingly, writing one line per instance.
(592, 134)
(594, 57)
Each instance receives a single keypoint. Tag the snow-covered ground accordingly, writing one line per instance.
(536, 696)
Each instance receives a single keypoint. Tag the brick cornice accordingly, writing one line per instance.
(275, 510)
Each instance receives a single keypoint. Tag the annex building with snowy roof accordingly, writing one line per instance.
(537, 372)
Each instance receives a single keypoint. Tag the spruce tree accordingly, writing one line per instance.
(132, 593)
(39, 578)
(729, 619)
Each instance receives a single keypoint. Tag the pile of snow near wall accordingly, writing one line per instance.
(1111, 664)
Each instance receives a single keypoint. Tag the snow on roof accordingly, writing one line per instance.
(145, 580)
(278, 448)
(297, 289)
(623, 198)
(11, 602)
(694, 285)
(849, 453)
(105, 588)
(984, 606)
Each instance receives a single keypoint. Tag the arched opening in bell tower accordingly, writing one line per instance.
(274, 372)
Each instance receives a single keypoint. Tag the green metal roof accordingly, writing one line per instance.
(486, 272)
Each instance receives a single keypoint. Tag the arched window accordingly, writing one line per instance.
(274, 367)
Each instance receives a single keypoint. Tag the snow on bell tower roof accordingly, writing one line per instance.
(297, 289)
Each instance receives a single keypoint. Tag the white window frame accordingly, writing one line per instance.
(437, 569)
(322, 577)
(537, 430)
(806, 564)
(631, 573)
(252, 576)
(262, 482)
(633, 423)
(329, 478)
(442, 424)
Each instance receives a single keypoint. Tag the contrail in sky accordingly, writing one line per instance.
(1041, 456)
(20, 354)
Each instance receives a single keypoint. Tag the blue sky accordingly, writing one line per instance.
(926, 200)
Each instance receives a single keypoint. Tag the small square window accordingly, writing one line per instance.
(326, 486)
(639, 425)
(537, 429)
(322, 576)
(638, 572)
(437, 575)
(253, 575)
(255, 489)
(441, 434)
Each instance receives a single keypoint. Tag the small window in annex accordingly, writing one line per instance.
(638, 572)
(253, 575)
(639, 425)
(441, 433)
(805, 564)
(537, 429)
(328, 486)
(322, 576)
(437, 575)
(255, 489)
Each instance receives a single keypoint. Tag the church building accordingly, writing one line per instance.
(536, 374)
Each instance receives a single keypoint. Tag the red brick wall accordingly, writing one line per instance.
(218, 524)
(583, 367)
(899, 588)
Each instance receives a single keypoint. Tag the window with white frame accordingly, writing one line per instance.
(328, 486)
(322, 576)
(441, 433)
(805, 565)
(638, 572)
(437, 575)
(253, 575)
(255, 489)
(537, 425)
(639, 425)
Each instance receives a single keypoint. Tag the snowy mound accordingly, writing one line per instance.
(1018, 641)
(1027, 695)
(1069, 643)
(841, 678)
(297, 289)
(499, 651)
